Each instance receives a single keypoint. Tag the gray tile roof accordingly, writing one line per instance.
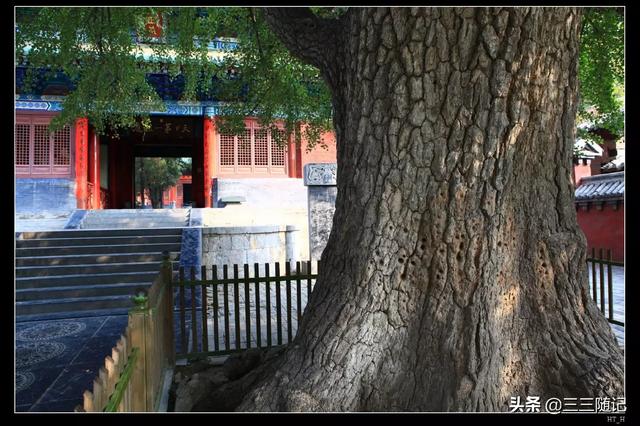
(587, 149)
(608, 186)
(615, 164)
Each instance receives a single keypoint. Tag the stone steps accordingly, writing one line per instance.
(82, 279)
(137, 224)
(138, 219)
(91, 290)
(102, 240)
(71, 272)
(88, 259)
(39, 271)
(81, 233)
(98, 249)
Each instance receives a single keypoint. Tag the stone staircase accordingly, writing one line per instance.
(75, 272)
(135, 218)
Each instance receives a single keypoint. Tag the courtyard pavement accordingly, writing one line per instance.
(57, 360)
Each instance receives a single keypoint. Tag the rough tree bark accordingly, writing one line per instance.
(454, 276)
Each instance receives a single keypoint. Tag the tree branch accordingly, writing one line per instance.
(309, 37)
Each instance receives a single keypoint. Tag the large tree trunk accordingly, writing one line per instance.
(454, 276)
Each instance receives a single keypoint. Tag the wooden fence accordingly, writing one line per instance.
(223, 319)
(598, 282)
(133, 376)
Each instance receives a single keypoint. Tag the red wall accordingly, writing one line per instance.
(171, 194)
(604, 229)
(318, 154)
(297, 156)
(580, 171)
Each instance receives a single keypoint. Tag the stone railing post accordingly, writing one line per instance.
(320, 180)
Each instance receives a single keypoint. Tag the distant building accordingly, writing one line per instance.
(179, 195)
(600, 210)
(593, 159)
(598, 173)
(76, 168)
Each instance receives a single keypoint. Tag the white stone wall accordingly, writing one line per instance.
(266, 192)
(250, 244)
(253, 216)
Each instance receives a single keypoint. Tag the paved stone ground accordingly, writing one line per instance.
(253, 330)
(57, 360)
(47, 221)
(233, 343)
(618, 313)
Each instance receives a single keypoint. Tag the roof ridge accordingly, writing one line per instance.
(602, 177)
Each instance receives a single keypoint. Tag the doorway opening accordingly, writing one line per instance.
(130, 151)
(160, 182)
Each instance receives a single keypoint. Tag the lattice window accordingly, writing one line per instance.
(38, 150)
(278, 153)
(255, 150)
(244, 148)
(227, 151)
(61, 148)
(22, 144)
(41, 145)
(261, 148)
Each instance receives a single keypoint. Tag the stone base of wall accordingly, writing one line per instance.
(45, 197)
(250, 244)
(234, 216)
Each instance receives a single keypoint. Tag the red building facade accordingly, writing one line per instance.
(600, 211)
(101, 168)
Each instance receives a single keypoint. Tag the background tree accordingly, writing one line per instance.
(454, 276)
(601, 73)
(158, 174)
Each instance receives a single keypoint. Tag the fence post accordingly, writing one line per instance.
(167, 278)
(609, 284)
(137, 321)
(601, 261)
(593, 275)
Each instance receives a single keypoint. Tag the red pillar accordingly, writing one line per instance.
(197, 170)
(113, 174)
(209, 158)
(298, 148)
(94, 167)
(291, 156)
(81, 151)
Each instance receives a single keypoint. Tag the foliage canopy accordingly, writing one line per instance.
(601, 72)
(107, 53)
